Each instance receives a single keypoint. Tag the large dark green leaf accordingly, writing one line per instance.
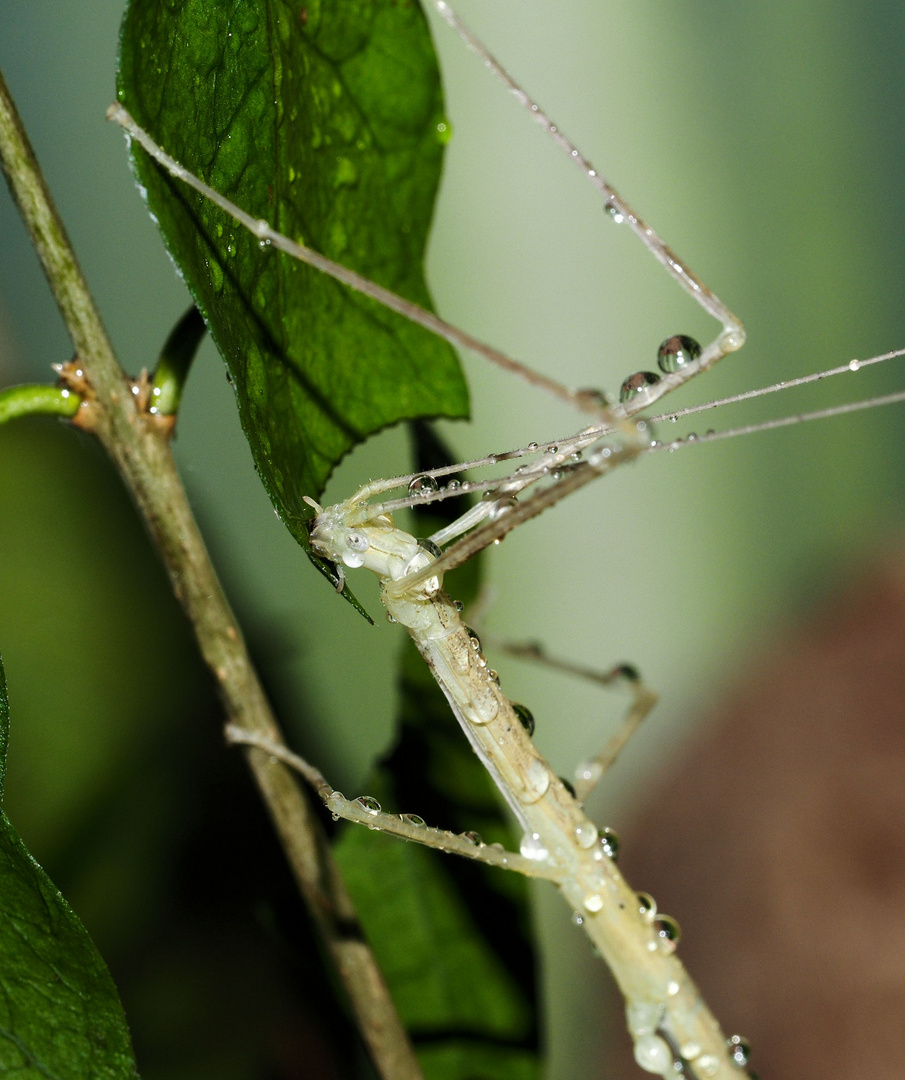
(327, 120)
(60, 1015)
(451, 936)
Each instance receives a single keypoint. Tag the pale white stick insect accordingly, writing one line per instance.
(672, 1028)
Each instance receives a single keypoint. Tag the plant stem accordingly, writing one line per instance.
(142, 454)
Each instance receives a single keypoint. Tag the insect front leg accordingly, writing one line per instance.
(365, 810)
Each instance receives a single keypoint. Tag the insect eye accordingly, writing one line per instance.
(357, 542)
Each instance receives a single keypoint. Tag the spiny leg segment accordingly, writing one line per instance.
(367, 811)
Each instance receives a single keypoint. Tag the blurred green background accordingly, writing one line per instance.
(764, 143)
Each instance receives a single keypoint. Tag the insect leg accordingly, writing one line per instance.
(367, 811)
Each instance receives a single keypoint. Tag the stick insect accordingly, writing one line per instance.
(665, 1016)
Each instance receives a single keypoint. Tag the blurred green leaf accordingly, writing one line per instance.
(327, 120)
(60, 1014)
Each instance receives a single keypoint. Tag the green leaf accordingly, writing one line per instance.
(327, 120)
(60, 1014)
(451, 936)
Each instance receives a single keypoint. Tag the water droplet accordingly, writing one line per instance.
(453, 485)
(609, 841)
(854, 365)
(458, 605)
(414, 819)
(576, 456)
(739, 1050)
(473, 838)
(653, 1055)
(422, 485)
(614, 212)
(594, 396)
(532, 446)
(690, 1051)
(593, 902)
(526, 718)
(668, 933)
(494, 676)
(707, 1065)
(473, 639)
(391, 618)
(568, 786)
(430, 547)
(636, 384)
(586, 771)
(647, 905)
(643, 1017)
(367, 803)
(502, 506)
(677, 352)
(585, 834)
(537, 781)
(443, 132)
(532, 847)
(577, 918)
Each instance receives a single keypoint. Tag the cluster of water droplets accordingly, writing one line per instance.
(426, 487)
(652, 1052)
(667, 931)
(674, 354)
(708, 1064)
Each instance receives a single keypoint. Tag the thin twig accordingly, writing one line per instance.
(146, 464)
